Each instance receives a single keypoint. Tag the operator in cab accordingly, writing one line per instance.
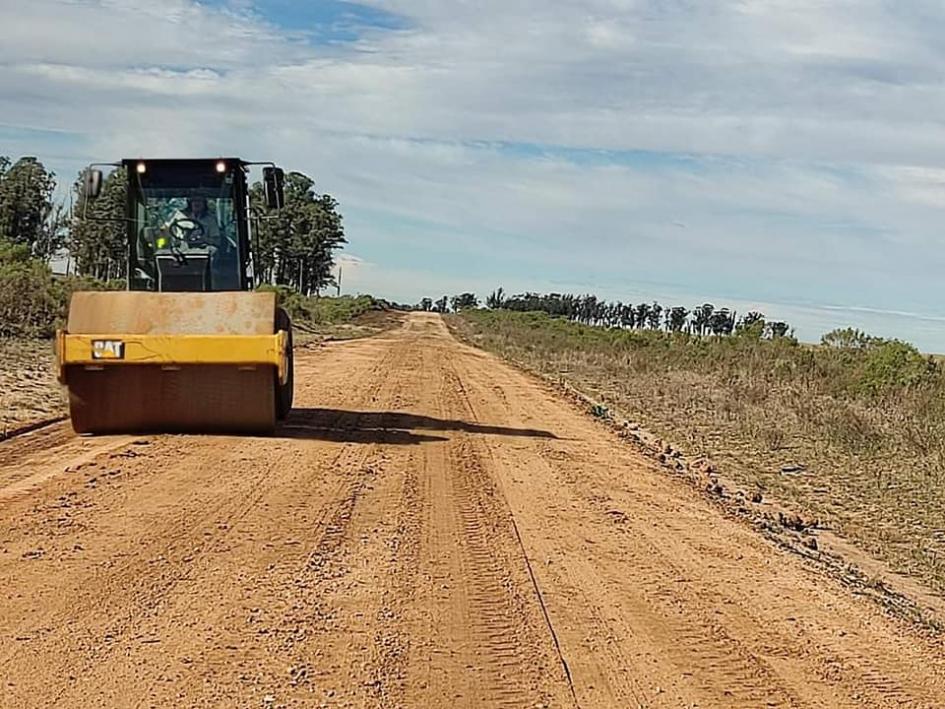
(197, 210)
(198, 228)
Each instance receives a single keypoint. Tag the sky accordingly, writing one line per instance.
(786, 156)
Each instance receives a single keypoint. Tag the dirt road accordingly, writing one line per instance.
(431, 528)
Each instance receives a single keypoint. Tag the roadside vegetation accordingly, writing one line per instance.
(310, 311)
(851, 431)
(346, 317)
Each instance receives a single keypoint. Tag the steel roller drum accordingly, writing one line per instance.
(191, 398)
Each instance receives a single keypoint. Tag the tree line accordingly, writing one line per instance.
(704, 319)
(293, 246)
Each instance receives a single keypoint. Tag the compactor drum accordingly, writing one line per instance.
(188, 347)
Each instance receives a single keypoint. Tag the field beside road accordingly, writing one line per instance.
(834, 435)
(430, 527)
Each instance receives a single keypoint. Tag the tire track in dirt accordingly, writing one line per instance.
(29, 460)
(484, 616)
(346, 588)
(495, 604)
(626, 690)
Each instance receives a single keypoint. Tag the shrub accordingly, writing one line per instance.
(295, 304)
(891, 364)
(320, 310)
(34, 302)
(29, 302)
(847, 338)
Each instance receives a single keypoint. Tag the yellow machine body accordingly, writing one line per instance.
(169, 351)
(144, 361)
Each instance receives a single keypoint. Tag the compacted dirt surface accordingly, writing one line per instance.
(430, 528)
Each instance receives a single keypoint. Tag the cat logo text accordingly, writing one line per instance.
(108, 349)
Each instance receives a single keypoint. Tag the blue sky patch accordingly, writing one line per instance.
(328, 21)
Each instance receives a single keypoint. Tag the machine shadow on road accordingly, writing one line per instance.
(384, 427)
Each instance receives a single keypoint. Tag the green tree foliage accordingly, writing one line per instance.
(295, 245)
(28, 305)
(426, 304)
(98, 238)
(702, 318)
(655, 316)
(440, 305)
(722, 322)
(848, 338)
(776, 329)
(676, 318)
(464, 301)
(495, 299)
(28, 215)
(752, 325)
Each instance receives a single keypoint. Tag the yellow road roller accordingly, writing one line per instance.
(188, 347)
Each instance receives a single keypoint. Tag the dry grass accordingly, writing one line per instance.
(28, 388)
(866, 461)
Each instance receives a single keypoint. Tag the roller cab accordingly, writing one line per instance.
(188, 348)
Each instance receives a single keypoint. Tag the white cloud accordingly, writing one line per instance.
(804, 146)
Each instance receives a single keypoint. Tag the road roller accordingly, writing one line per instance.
(189, 346)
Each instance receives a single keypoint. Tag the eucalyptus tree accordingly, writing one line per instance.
(701, 317)
(642, 315)
(655, 316)
(627, 316)
(721, 322)
(28, 214)
(464, 301)
(97, 242)
(676, 318)
(296, 243)
(496, 299)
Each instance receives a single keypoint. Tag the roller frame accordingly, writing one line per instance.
(176, 351)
